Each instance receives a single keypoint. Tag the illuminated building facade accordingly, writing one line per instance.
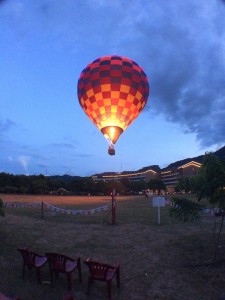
(146, 174)
(170, 175)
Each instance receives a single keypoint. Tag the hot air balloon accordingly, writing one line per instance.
(112, 91)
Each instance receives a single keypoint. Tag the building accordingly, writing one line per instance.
(146, 174)
(169, 175)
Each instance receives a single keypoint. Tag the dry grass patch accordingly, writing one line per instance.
(157, 261)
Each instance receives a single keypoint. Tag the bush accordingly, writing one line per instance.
(184, 210)
(2, 212)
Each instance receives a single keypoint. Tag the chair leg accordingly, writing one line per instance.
(51, 276)
(56, 274)
(79, 269)
(23, 270)
(68, 297)
(69, 280)
(38, 271)
(109, 289)
(89, 284)
(118, 277)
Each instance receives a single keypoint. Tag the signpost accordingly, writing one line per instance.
(158, 202)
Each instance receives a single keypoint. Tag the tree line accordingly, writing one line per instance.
(40, 184)
(210, 178)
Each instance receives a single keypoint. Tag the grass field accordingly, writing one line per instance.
(166, 261)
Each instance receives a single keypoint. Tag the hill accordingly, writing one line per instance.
(64, 178)
(219, 153)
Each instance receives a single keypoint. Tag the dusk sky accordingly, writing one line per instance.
(45, 45)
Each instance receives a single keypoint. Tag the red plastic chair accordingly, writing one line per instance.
(67, 297)
(60, 263)
(102, 272)
(4, 297)
(32, 260)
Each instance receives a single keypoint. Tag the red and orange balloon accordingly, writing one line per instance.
(112, 91)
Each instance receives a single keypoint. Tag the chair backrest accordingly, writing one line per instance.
(28, 256)
(3, 297)
(97, 270)
(57, 261)
(68, 297)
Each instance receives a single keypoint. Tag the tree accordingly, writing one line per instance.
(2, 212)
(184, 209)
(39, 184)
(183, 185)
(210, 184)
(211, 178)
(156, 185)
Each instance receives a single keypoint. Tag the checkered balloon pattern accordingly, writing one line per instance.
(113, 90)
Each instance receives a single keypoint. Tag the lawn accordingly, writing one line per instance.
(166, 261)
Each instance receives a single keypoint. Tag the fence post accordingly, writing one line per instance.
(42, 210)
(113, 207)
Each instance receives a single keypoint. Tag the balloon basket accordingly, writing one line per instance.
(111, 150)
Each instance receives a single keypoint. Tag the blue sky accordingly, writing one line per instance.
(44, 46)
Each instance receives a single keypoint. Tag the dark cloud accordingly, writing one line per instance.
(63, 145)
(184, 59)
(42, 165)
(180, 46)
(5, 125)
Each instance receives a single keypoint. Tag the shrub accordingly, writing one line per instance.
(184, 210)
(2, 212)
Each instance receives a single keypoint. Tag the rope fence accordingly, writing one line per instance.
(209, 211)
(203, 210)
(59, 209)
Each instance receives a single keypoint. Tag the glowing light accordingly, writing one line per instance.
(112, 91)
(127, 175)
(191, 163)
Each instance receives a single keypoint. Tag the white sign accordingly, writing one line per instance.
(158, 201)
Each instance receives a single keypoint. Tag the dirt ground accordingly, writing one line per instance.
(57, 199)
(166, 261)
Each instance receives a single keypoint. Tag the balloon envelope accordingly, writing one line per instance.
(113, 90)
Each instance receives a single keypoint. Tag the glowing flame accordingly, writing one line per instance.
(112, 132)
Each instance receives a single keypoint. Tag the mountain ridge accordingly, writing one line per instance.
(219, 153)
